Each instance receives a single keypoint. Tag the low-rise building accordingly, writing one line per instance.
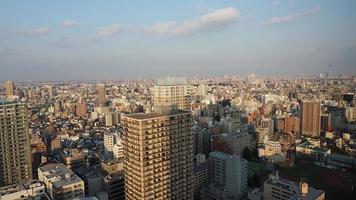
(61, 183)
(276, 188)
(73, 158)
(341, 161)
(309, 151)
(273, 148)
(29, 190)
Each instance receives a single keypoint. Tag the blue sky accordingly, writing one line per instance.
(87, 39)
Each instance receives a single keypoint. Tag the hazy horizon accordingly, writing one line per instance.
(91, 40)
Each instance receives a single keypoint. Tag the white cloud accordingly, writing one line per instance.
(292, 17)
(35, 31)
(70, 23)
(213, 21)
(109, 31)
(274, 3)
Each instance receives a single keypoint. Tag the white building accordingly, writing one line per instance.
(278, 188)
(113, 146)
(272, 148)
(61, 182)
(172, 91)
(312, 151)
(118, 149)
(110, 139)
(271, 98)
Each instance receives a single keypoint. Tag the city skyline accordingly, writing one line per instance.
(221, 138)
(188, 100)
(129, 40)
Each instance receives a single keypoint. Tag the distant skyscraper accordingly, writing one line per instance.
(9, 87)
(203, 90)
(310, 118)
(51, 92)
(15, 165)
(158, 155)
(81, 110)
(172, 91)
(101, 95)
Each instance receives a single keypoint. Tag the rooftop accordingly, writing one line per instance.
(171, 81)
(143, 116)
(291, 185)
(6, 102)
(60, 175)
(20, 186)
(308, 145)
(221, 155)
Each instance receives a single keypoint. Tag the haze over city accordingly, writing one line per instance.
(178, 100)
(54, 40)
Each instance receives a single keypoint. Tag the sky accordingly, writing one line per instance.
(129, 39)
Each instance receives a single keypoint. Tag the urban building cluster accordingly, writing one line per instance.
(174, 138)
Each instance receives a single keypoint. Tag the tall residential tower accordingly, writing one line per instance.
(15, 163)
(158, 155)
(172, 91)
(310, 118)
(9, 87)
(101, 95)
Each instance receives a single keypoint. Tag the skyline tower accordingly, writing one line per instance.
(158, 155)
(172, 91)
(9, 87)
(101, 95)
(15, 164)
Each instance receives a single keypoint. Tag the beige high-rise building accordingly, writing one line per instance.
(15, 164)
(81, 110)
(101, 95)
(158, 155)
(172, 91)
(9, 87)
(310, 118)
(292, 125)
